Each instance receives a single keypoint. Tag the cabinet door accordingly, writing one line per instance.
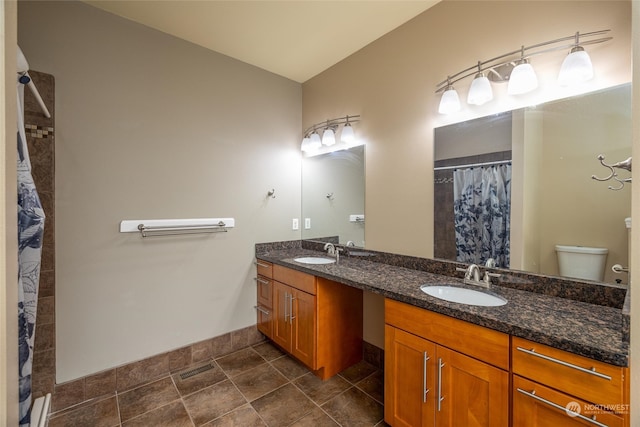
(537, 406)
(409, 379)
(303, 327)
(281, 314)
(470, 392)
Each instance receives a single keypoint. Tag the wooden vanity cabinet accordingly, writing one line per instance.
(546, 379)
(440, 371)
(317, 321)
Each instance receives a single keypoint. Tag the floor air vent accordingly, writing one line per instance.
(196, 371)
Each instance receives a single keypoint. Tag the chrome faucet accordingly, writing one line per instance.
(473, 273)
(332, 250)
(472, 276)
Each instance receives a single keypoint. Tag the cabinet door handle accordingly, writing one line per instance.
(425, 390)
(286, 305)
(591, 371)
(291, 316)
(264, 282)
(532, 395)
(259, 264)
(261, 310)
(440, 398)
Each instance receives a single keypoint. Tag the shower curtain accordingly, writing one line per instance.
(482, 207)
(30, 232)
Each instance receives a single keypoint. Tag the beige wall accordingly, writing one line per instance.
(8, 219)
(391, 84)
(148, 127)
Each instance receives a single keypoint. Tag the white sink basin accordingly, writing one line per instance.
(463, 295)
(314, 260)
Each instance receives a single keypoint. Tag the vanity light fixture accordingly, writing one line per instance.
(347, 135)
(515, 67)
(450, 101)
(312, 144)
(523, 78)
(576, 67)
(480, 91)
(328, 136)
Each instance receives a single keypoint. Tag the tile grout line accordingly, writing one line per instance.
(118, 408)
(316, 404)
(182, 401)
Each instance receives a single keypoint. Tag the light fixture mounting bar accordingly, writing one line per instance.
(522, 53)
(331, 124)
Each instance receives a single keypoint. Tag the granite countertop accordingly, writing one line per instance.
(590, 330)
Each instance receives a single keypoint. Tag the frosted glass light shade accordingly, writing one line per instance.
(347, 136)
(315, 141)
(523, 79)
(480, 91)
(328, 137)
(306, 144)
(576, 68)
(450, 101)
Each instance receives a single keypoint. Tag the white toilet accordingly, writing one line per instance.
(582, 262)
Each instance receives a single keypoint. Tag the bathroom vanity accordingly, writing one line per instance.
(316, 320)
(555, 354)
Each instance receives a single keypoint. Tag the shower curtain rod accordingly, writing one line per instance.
(25, 79)
(472, 165)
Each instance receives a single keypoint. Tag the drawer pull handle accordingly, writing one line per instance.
(559, 407)
(261, 310)
(286, 306)
(259, 264)
(591, 371)
(425, 390)
(440, 398)
(264, 282)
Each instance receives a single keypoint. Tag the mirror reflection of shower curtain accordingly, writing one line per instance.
(482, 207)
(30, 232)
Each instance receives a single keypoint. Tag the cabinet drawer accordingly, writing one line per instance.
(579, 376)
(536, 405)
(264, 268)
(265, 291)
(304, 282)
(476, 341)
(265, 320)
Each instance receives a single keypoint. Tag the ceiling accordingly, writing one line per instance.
(297, 39)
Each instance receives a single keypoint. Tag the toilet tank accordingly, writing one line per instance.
(582, 262)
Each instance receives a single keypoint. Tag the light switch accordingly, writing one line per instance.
(294, 224)
(307, 223)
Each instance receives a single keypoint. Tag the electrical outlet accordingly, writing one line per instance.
(294, 224)
(307, 223)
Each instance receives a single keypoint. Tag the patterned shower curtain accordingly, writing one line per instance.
(30, 232)
(482, 207)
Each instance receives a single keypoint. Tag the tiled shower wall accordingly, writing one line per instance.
(41, 142)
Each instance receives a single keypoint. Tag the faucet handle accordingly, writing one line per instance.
(488, 276)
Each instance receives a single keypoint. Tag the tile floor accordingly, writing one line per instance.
(256, 386)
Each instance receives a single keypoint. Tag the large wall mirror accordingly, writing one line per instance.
(539, 162)
(333, 196)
